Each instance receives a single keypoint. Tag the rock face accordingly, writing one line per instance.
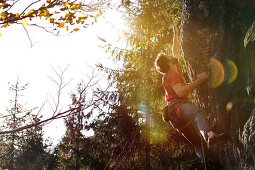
(224, 30)
(248, 141)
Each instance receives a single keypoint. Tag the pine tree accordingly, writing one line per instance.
(21, 149)
(140, 86)
(71, 145)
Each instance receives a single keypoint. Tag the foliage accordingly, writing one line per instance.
(57, 14)
(53, 159)
(32, 150)
(117, 142)
(71, 144)
(23, 149)
(72, 150)
(139, 86)
(117, 134)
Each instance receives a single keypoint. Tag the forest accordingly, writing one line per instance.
(216, 37)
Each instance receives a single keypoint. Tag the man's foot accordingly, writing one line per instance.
(214, 137)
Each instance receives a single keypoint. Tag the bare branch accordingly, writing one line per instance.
(31, 43)
(41, 108)
(12, 5)
(46, 30)
(79, 105)
(60, 86)
(4, 116)
(57, 116)
(29, 6)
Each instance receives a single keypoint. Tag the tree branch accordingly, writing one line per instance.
(80, 105)
(31, 43)
(29, 6)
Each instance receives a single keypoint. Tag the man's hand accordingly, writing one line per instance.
(176, 46)
(202, 77)
(175, 29)
(182, 90)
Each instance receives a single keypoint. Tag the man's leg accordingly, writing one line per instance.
(192, 134)
(188, 112)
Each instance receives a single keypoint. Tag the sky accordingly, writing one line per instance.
(77, 52)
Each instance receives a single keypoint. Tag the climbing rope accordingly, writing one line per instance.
(203, 151)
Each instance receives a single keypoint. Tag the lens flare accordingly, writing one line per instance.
(157, 136)
(229, 106)
(217, 73)
(232, 71)
(142, 107)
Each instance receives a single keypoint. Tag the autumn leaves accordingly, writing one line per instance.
(61, 14)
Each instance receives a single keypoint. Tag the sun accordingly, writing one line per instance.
(112, 27)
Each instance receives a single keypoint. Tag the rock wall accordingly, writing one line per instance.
(218, 29)
(223, 30)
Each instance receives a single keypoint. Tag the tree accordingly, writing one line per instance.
(140, 85)
(23, 149)
(53, 159)
(57, 113)
(73, 149)
(221, 34)
(117, 142)
(32, 150)
(71, 144)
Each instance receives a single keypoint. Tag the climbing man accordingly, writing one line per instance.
(182, 114)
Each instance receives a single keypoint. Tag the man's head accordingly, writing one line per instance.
(163, 62)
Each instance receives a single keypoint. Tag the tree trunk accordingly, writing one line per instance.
(224, 30)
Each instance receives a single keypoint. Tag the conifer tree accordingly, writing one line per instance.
(21, 149)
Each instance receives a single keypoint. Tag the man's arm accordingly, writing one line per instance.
(176, 46)
(181, 90)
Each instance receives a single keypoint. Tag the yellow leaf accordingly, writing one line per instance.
(57, 32)
(76, 6)
(97, 15)
(3, 15)
(6, 24)
(76, 29)
(100, 12)
(60, 25)
(52, 20)
(47, 16)
(30, 12)
(24, 22)
(65, 4)
(17, 15)
(82, 17)
(0, 36)
(48, 1)
(44, 12)
(143, 4)
(66, 28)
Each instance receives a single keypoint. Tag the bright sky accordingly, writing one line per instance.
(34, 65)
